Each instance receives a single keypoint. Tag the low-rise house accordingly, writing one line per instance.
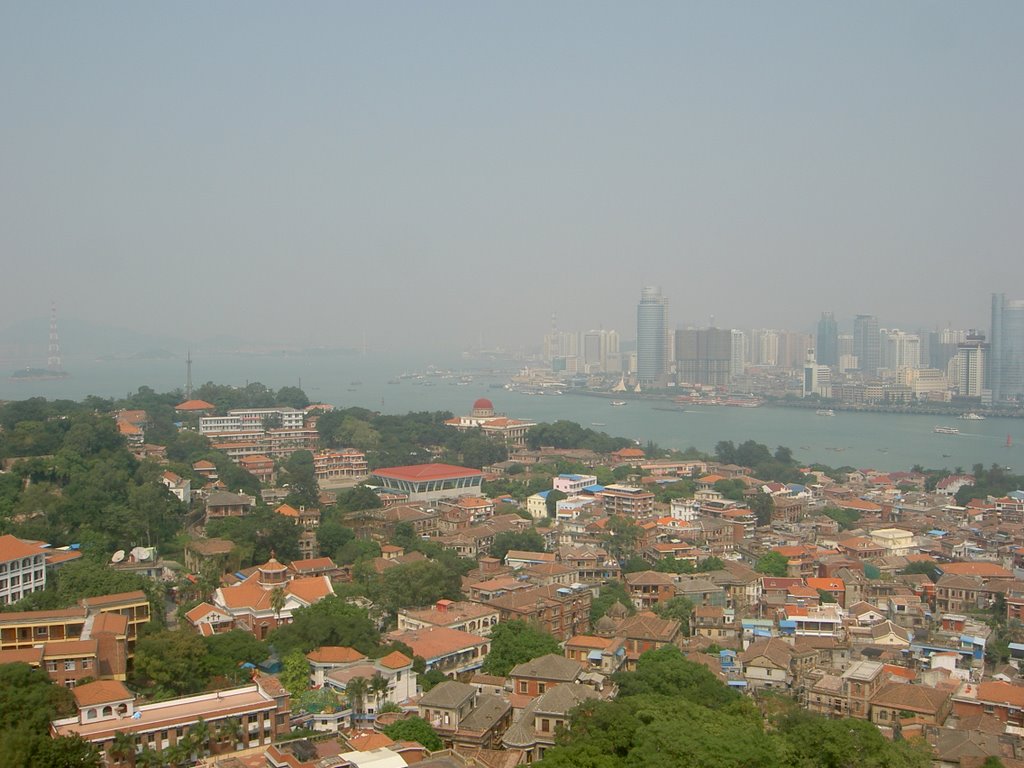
(227, 504)
(463, 716)
(217, 552)
(701, 591)
(599, 654)
(534, 677)
(715, 623)
(768, 663)
(395, 669)
(446, 650)
(464, 616)
(543, 718)
(644, 632)
(649, 588)
(561, 611)
(1004, 701)
(897, 701)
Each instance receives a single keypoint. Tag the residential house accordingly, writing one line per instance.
(463, 716)
(446, 650)
(460, 615)
(532, 678)
(649, 588)
(544, 718)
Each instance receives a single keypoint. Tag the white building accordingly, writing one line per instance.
(252, 419)
(573, 485)
(22, 569)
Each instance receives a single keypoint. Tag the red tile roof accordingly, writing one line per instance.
(423, 472)
(194, 405)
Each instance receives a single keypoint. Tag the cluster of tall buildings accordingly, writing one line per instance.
(948, 362)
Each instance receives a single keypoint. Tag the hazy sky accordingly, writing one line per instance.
(437, 172)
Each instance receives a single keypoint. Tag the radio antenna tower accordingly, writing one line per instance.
(53, 361)
(188, 375)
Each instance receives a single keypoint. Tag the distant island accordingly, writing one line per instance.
(39, 374)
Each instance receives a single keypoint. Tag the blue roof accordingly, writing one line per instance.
(787, 624)
(737, 683)
(571, 477)
(796, 487)
(936, 532)
(594, 488)
(544, 494)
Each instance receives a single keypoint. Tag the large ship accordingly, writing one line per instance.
(947, 430)
(971, 416)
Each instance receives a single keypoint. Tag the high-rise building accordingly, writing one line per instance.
(970, 365)
(704, 356)
(1006, 366)
(739, 353)
(651, 337)
(867, 344)
(764, 346)
(899, 349)
(827, 351)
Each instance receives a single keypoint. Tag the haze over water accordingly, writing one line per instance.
(883, 441)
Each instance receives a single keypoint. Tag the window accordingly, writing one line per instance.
(541, 687)
(523, 686)
(69, 665)
(545, 725)
(51, 666)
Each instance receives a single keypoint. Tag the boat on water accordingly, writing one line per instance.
(675, 409)
(617, 403)
(825, 412)
(598, 424)
(971, 416)
(946, 430)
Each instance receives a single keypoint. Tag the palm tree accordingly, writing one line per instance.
(148, 758)
(199, 737)
(356, 690)
(122, 749)
(379, 688)
(277, 602)
(229, 731)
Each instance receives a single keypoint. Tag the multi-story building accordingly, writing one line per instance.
(827, 348)
(462, 615)
(651, 337)
(573, 484)
(971, 360)
(703, 356)
(22, 569)
(559, 610)
(237, 718)
(867, 344)
(252, 420)
(626, 500)
(1006, 366)
(344, 464)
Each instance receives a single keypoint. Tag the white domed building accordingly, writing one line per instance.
(511, 432)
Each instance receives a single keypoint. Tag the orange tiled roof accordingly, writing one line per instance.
(395, 660)
(100, 692)
(335, 654)
(983, 569)
(13, 548)
(194, 405)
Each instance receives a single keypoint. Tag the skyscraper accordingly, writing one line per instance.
(867, 344)
(970, 365)
(1006, 351)
(651, 328)
(704, 356)
(827, 352)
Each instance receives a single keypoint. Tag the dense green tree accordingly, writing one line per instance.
(258, 535)
(355, 550)
(523, 541)
(431, 678)
(226, 652)
(772, 564)
(709, 564)
(666, 672)
(415, 729)
(611, 593)
(679, 608)
(300, 477)
(666, 565)
(512, 643)
(762, 506)
(731, 489)
(331, 536)
(295, 673)
(551, 501)
(416, 584)
(847, 518)
(357, 499)
(928, 567)
(173, 663)
(331, 621)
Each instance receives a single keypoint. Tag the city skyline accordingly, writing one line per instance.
(348, 168)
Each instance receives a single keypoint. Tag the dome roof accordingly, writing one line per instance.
(483, 404)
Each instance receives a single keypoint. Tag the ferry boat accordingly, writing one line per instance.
(618, 402)
(825, 412)
(971, 416)
(947, 430)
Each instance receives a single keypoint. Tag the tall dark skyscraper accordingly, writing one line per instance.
(1006, 350)
(704, 356)
(827, 351)
(867, 344)
(651, 339)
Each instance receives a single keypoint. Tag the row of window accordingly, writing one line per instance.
(26, 562)
(70, 665)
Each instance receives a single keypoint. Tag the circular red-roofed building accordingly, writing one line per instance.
(483, 408)
(428, 482)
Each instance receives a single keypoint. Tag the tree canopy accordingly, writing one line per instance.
(513, 642)
(415, 729)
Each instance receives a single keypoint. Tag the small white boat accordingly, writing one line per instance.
(825, 412)
(947, 430)
(618, 402)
